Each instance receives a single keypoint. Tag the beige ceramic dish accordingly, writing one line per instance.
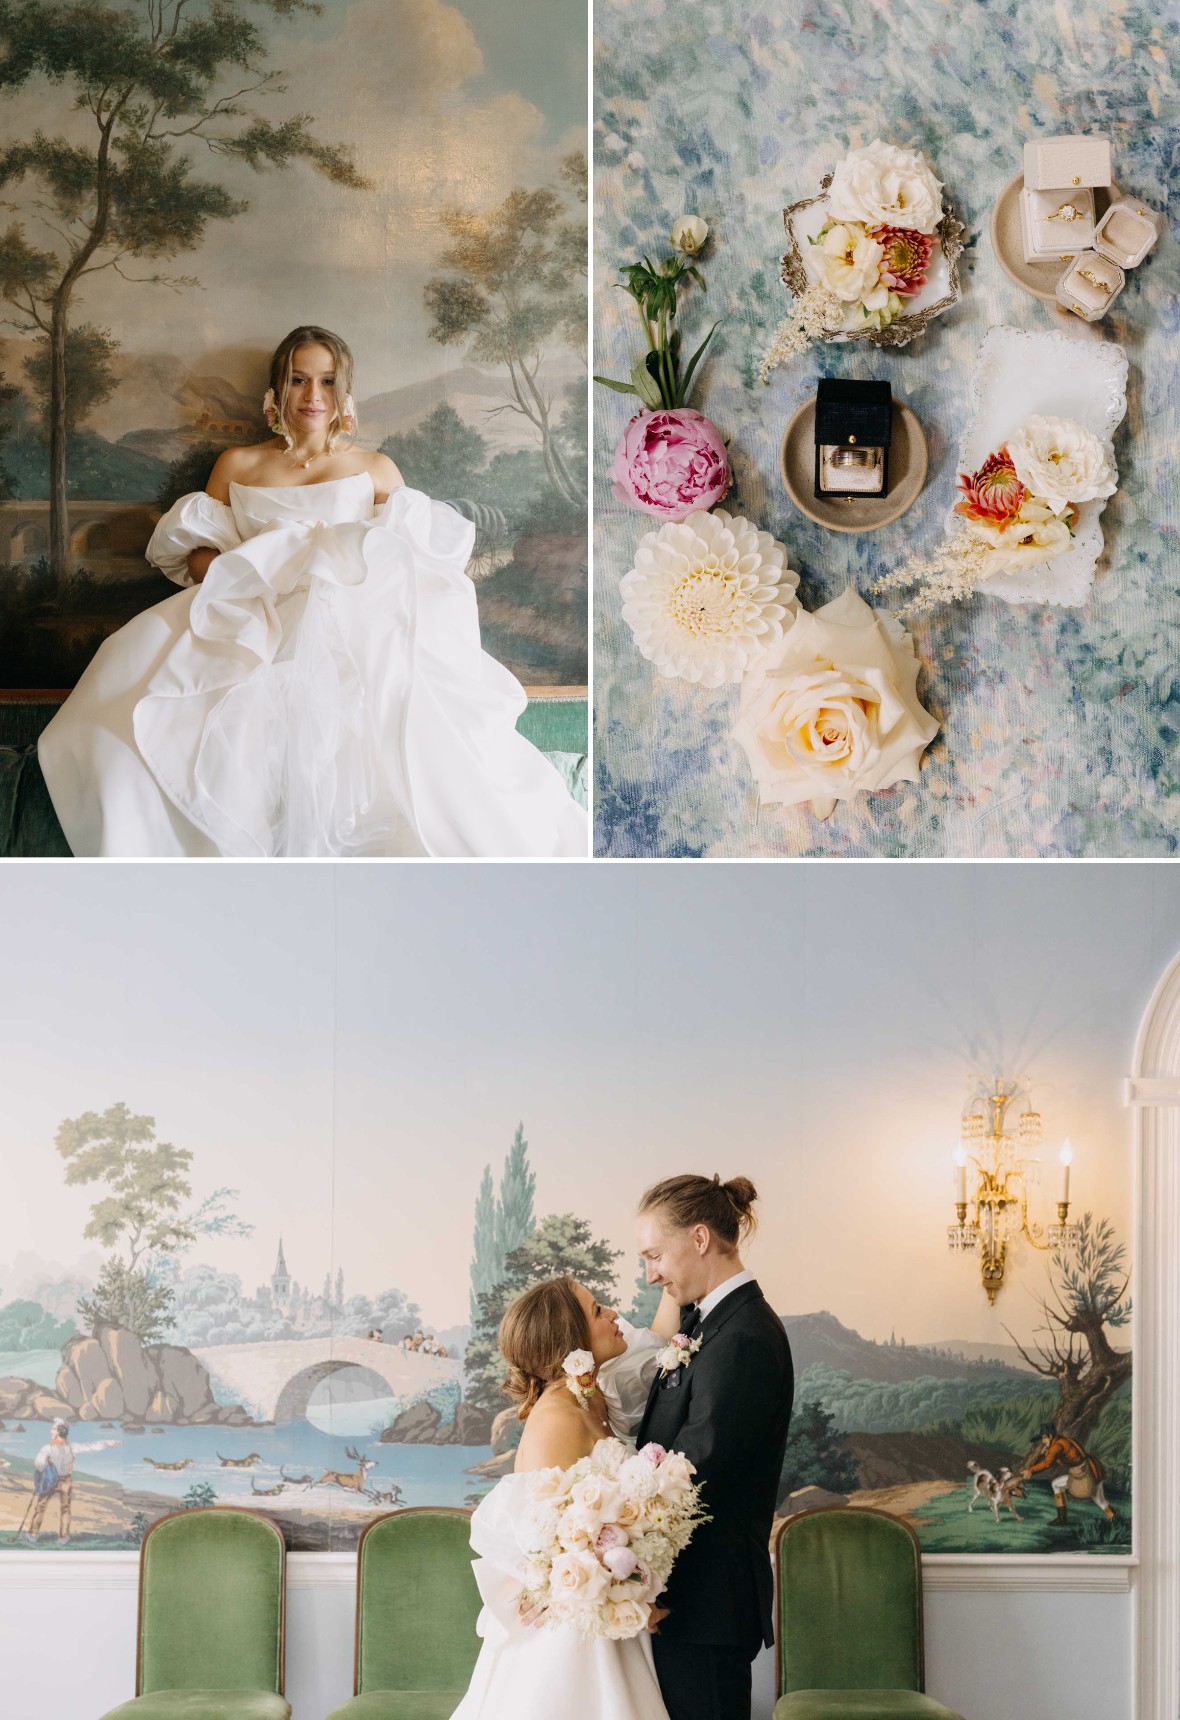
(907, 474)
(1040, 279)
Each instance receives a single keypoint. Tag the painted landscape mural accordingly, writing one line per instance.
(275, 1159)
(184, 182)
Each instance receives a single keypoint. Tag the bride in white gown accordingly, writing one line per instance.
(526, 1670)
(318, 688)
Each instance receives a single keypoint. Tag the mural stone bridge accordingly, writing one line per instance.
(275, 1381)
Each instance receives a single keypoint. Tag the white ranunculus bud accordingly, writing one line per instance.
(689, 234)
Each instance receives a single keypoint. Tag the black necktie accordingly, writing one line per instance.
(690, 1319)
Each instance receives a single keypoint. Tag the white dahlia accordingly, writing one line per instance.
(709, 596)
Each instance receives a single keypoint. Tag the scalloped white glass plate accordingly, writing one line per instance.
(1019, 374)
(806, 224)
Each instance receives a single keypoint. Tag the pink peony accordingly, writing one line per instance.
(994, 493)
(610, 1536)
(620, 1562)
(670, 463)
(653, 1452)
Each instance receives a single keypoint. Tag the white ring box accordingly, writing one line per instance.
(1090, 286)
(1056, 223)
(1127, 232)
(1066, 163)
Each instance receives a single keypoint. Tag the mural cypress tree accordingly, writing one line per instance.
(487, 1265)
(645, 1300)
(157, 83)
(514, 1212)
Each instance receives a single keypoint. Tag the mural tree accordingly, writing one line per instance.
(156, 82)
(513, 281)
(1088, 1294)
(124, 1297)
(561, 1244)
(147, 1180)
(442, 456)
(815, 1456)
(645, 1301)
(501, 1224)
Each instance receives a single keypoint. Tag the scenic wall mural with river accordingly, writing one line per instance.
(287, 1387)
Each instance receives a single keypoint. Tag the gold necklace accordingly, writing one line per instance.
(304, 464)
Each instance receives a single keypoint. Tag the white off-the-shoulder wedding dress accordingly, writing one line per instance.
(532, 1672)
(322, 692)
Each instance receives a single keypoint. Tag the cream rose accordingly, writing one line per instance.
(675, 1476)
(578, 1576)
(883, 186)
(596, 1494)
(834, 711)
(689, 234)
(849, 263)
(625, 1616)
(1059, 461)
(628, 1514)
(547, 1486)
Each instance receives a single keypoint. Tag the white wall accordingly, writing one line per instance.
(67, 1651)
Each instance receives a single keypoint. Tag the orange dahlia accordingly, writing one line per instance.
(906, 254)
(994, 493)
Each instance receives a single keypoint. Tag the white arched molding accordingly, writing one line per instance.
(1153, 1091)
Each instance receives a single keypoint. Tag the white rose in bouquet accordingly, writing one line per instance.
(596, 1495)
(883, 186)
(625, 1616)
(675, 1477)
(579, 1578)
(548, 1486)
(1059, 461)
(834, 710)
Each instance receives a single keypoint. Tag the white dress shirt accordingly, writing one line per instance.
(707, 1303)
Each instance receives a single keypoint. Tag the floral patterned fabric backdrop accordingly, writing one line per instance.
(1058, 725)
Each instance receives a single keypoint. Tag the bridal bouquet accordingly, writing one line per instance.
(869, 243)
(601, 1537)
(1019, 510)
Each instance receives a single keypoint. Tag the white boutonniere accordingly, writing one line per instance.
(677, 1353)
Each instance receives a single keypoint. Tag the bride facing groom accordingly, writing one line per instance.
(709, 1386)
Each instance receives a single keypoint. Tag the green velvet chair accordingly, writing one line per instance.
(212, 1595)
(849, 1603)
(416, 1607)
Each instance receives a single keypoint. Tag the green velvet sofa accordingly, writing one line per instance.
(212, 1595)
(416, 1607)
(849, 1625)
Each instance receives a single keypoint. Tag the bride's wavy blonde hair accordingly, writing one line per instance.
(536, 1335)
(282, 362)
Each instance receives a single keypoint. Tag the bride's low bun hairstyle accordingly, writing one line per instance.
(280, 375)
(727, 1208)
(537, 1333)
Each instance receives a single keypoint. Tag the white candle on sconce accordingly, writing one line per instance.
(960, 1176)
(1066, 1160)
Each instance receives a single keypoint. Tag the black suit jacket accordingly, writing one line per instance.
(728, 1411)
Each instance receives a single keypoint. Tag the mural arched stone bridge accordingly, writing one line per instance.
(275, 1381)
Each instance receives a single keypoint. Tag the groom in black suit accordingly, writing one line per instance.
(727, 1408)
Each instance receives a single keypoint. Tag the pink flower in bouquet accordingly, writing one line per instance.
(905, 255)
(653, 1452)
(994, 493)
(670, 463)
(610, 1536)
(621, 1562)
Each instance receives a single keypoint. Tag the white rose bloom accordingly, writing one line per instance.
(1034, 536)
(547, 1486)
(624, 1616)
(1059, 461)
(835, 712)
(578, 1577)
(689, 234)
(886, 187)
(675, 1476)
(577, 1363)
(848, 262)
(596, 1494)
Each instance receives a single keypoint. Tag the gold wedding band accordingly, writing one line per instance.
(854, 457)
